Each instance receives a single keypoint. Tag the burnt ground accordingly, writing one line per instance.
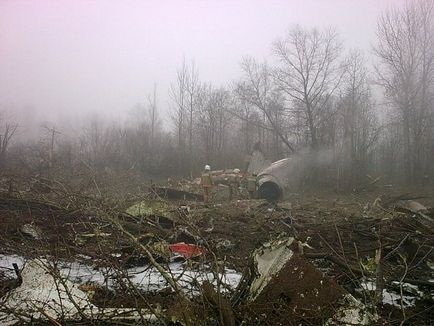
(338, 237)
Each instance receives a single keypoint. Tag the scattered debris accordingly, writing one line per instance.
(273, 180)
(225, 244)
(268, 261)
(309, 260)
(32, 230)
(413, 207)
(352, 312)
(176, 194)
(150, 207)
(45, 294)
(187, 250)
(287, 287)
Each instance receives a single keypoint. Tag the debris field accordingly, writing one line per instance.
(166, 257)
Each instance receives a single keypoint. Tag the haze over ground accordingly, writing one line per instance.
(74, 58)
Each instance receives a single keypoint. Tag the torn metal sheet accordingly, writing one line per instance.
(285, 286)
(187, 250)
(45, 293)
(150, 207)
(145, 278)
(32, 231)
(412, 206)
(268, 261)
(351, 312)
(273, 180)
(161, 211)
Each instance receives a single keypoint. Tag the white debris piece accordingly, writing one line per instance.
(32, 230)
(352, 312)
(6, 262)
(412, 206)
(369, 286)
(395, 299)
(269, 260)
(43, 294)
(145, 278)
(150, 279)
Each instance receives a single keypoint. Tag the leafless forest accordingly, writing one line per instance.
(109, 221)
(373, 118)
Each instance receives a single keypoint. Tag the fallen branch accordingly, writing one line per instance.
(220, 303)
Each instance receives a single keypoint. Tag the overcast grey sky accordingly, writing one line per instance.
(82, 56)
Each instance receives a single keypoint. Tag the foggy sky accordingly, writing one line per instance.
(62, 58)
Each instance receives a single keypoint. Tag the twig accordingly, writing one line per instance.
(401, 289)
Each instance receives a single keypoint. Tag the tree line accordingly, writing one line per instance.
(375, 117)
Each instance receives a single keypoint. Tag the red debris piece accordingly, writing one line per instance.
(187, 250)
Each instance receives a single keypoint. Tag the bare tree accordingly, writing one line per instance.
(184, 94)
(51, 133)
(212, 121)
(360, 129)
(7, 132)
(153, 112)
(192, 92)
(405, 50)
(257, 89)
(308, 72)
(178, 94)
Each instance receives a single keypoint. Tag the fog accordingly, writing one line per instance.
(217, 162)
(167, 87)
(63, 60)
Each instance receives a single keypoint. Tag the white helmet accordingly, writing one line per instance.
(236, 171)
(207, 168)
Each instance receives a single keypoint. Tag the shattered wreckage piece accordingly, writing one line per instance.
(187, 250)
(32, 231)
(269, 260)
(351, 312)
(47, 294)
(273, 179)
(285, 286)
(151, 207)
(161, 211)
(411, 206)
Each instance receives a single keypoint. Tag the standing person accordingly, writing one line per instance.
(206, 183)
(252, 185)
(234, 183)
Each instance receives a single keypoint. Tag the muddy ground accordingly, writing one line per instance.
(338, 237)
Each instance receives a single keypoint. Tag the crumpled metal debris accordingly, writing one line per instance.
(224, 244)
(273, 179)
(150, 207)
(351, 312)
(187, 250)
(412, 206)
(268, 261)
(46, 294)
(32, 231)
(285, 286)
